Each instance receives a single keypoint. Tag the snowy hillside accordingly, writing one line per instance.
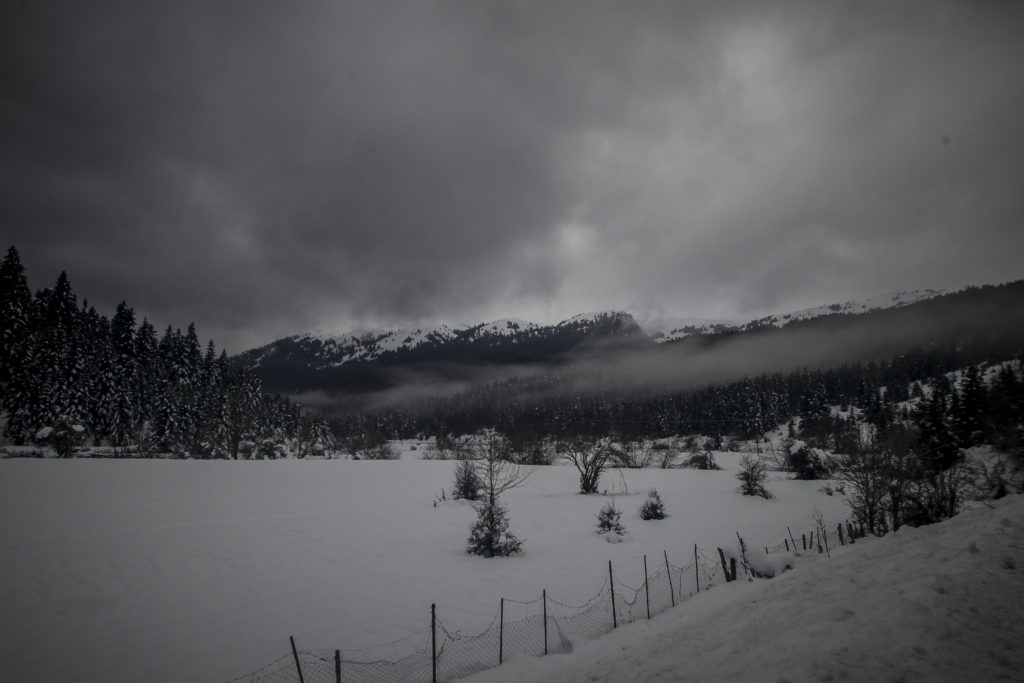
(883, 301)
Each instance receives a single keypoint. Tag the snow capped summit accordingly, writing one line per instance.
(671, 329)
(882, 301)
(503, 327)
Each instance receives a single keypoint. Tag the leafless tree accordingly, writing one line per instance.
(634, 454)
(590, 457)
(448, 447)
(752, 476)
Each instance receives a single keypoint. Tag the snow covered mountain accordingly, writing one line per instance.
(664, 330)
(362, 361)
(312, 361)
(875, 303)
(668, 329)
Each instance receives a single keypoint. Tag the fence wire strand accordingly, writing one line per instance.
(666, 585)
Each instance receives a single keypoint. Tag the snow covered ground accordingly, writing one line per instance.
(199, 571)
(939, 603)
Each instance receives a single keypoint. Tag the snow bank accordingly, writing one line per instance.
(939, 603)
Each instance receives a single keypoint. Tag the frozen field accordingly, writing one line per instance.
(200, 570)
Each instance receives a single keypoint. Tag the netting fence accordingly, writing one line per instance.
(537, 627)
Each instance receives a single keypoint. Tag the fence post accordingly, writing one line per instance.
(804, 538)
(295, 653)
(544, 595)
(792, 539)
(786, 541)
(501, 630)
(849, 532)
(611, 582)
(696, 570)
(732, 563)
(725, 567)
(824, 534)
(671, 590)
(433, 642)
(647, 589)
(840, 528)
(337, 666)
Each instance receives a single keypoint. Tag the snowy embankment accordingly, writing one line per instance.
(939, 603)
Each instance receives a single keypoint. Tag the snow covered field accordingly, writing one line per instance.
(199, 571)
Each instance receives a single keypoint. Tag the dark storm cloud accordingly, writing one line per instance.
(264, 168)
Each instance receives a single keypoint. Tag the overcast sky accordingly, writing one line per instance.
(266, 168)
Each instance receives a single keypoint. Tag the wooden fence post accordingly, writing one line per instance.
(433, 641)
(611, 582)
(804, 537)
(725, 567)
(824, 535)
(295, 654)
(786, 541)
(501, 630)
(792, 539)
(732, 564)
(337, 666)
(671, 589)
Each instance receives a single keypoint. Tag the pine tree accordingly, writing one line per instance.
(653, 507)
(489, 535)
(608, 520)
(61, 360)
(124, 416)
(15, 309)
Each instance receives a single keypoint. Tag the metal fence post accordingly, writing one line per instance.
(295, 653)
(611, 582)
(647, 589)
(671, 589)
(544, 595)
(696, 570)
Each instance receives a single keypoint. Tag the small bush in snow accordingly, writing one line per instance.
(807, 463)
(702, 461)
(752, 476)
(608, 520)
(653, 507)
(64, 437)
(467, 481)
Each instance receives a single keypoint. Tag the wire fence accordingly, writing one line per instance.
(537, 627)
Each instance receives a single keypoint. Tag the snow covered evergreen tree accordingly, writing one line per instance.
(15, 309)
(653, 507)
(609, 520)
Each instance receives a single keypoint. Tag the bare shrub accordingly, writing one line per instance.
(752, 475)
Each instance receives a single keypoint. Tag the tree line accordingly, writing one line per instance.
(70, 376)
(877, 391)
